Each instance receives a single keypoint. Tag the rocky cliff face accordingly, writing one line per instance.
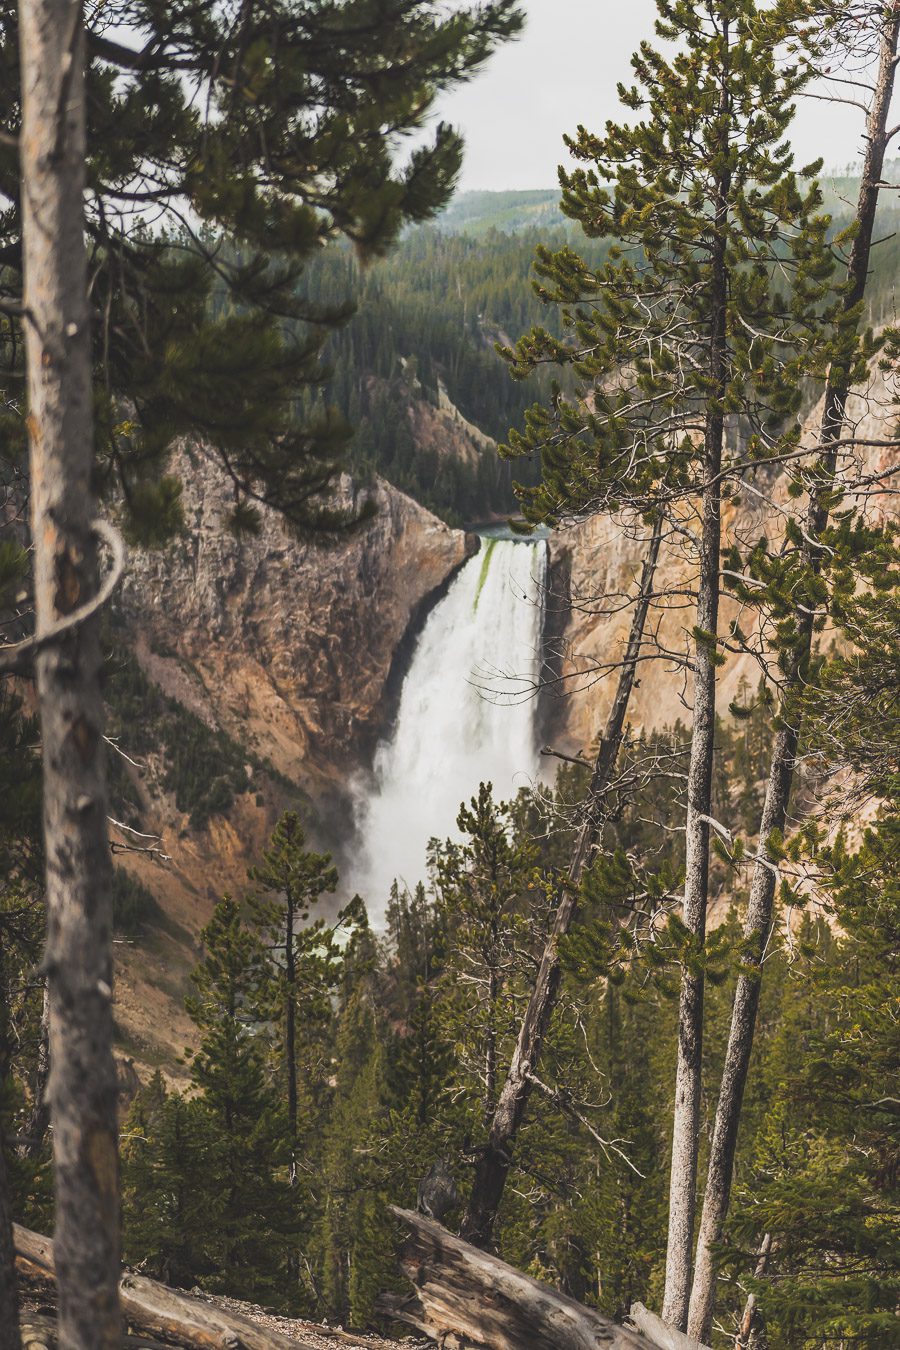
(597, 562)
(287, 645)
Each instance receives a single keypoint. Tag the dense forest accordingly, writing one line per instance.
(633, 1033)
(432, 313)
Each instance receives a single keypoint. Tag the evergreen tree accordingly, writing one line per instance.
(822, 1182)
(306, 959)
(488, 889)
(169, 1198)
(354, 1236)
(278, 127)
(794, 589)
(252, 1216)
(706, 316)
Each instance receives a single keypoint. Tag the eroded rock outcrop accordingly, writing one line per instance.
(286, 645)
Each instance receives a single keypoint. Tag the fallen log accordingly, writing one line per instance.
(156, 1309)
(465, 1296)
(659, 1332)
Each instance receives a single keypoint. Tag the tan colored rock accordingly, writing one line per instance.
(288, 647)
(596, 561)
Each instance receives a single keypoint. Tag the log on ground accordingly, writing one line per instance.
(469, 1297)
(149, 1306)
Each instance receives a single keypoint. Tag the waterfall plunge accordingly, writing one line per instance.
(466, 715)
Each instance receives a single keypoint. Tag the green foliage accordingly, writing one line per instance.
(715, 244)
(205, 208)
(824, 1166)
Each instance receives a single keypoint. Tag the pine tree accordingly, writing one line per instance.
(687, 330)
(822, 1176)
(353, 1237)
(277, 128)
(253, 1215)
(170, 1202)
(486, 888)
(307, 960)
(795, 589)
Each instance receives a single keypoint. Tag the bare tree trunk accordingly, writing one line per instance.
(781, 773)
(751, 1312)
(463, 1296)
(78, 958)
(686, 1123)
(494, 1160)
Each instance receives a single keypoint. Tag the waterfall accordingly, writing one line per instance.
(466, 715)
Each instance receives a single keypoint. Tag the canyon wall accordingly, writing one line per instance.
(286, 647)
(597, 561)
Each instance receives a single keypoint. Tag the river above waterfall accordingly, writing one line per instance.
(467, 713)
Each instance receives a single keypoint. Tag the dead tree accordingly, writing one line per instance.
(67, 658)
(465, 1296)
(758, 922)
(492, 1166)
(154, 1308)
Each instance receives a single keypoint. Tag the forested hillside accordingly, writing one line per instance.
(429, 316)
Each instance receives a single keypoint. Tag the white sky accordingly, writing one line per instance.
(563, 71)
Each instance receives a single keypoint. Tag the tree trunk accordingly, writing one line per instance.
(9, 1295)
(781, 773)
(290, 1031)
(686, 1123)
(751, 1315)
(494, 1160)
(78, 958)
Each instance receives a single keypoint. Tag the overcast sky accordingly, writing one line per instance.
(563, 71)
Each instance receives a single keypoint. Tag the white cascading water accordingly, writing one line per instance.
(466, 715)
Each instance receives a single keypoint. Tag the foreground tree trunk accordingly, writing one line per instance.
(493, 1164)
(781, 773)
(78, 959)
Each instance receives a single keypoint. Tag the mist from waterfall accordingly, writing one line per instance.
(467, 714)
